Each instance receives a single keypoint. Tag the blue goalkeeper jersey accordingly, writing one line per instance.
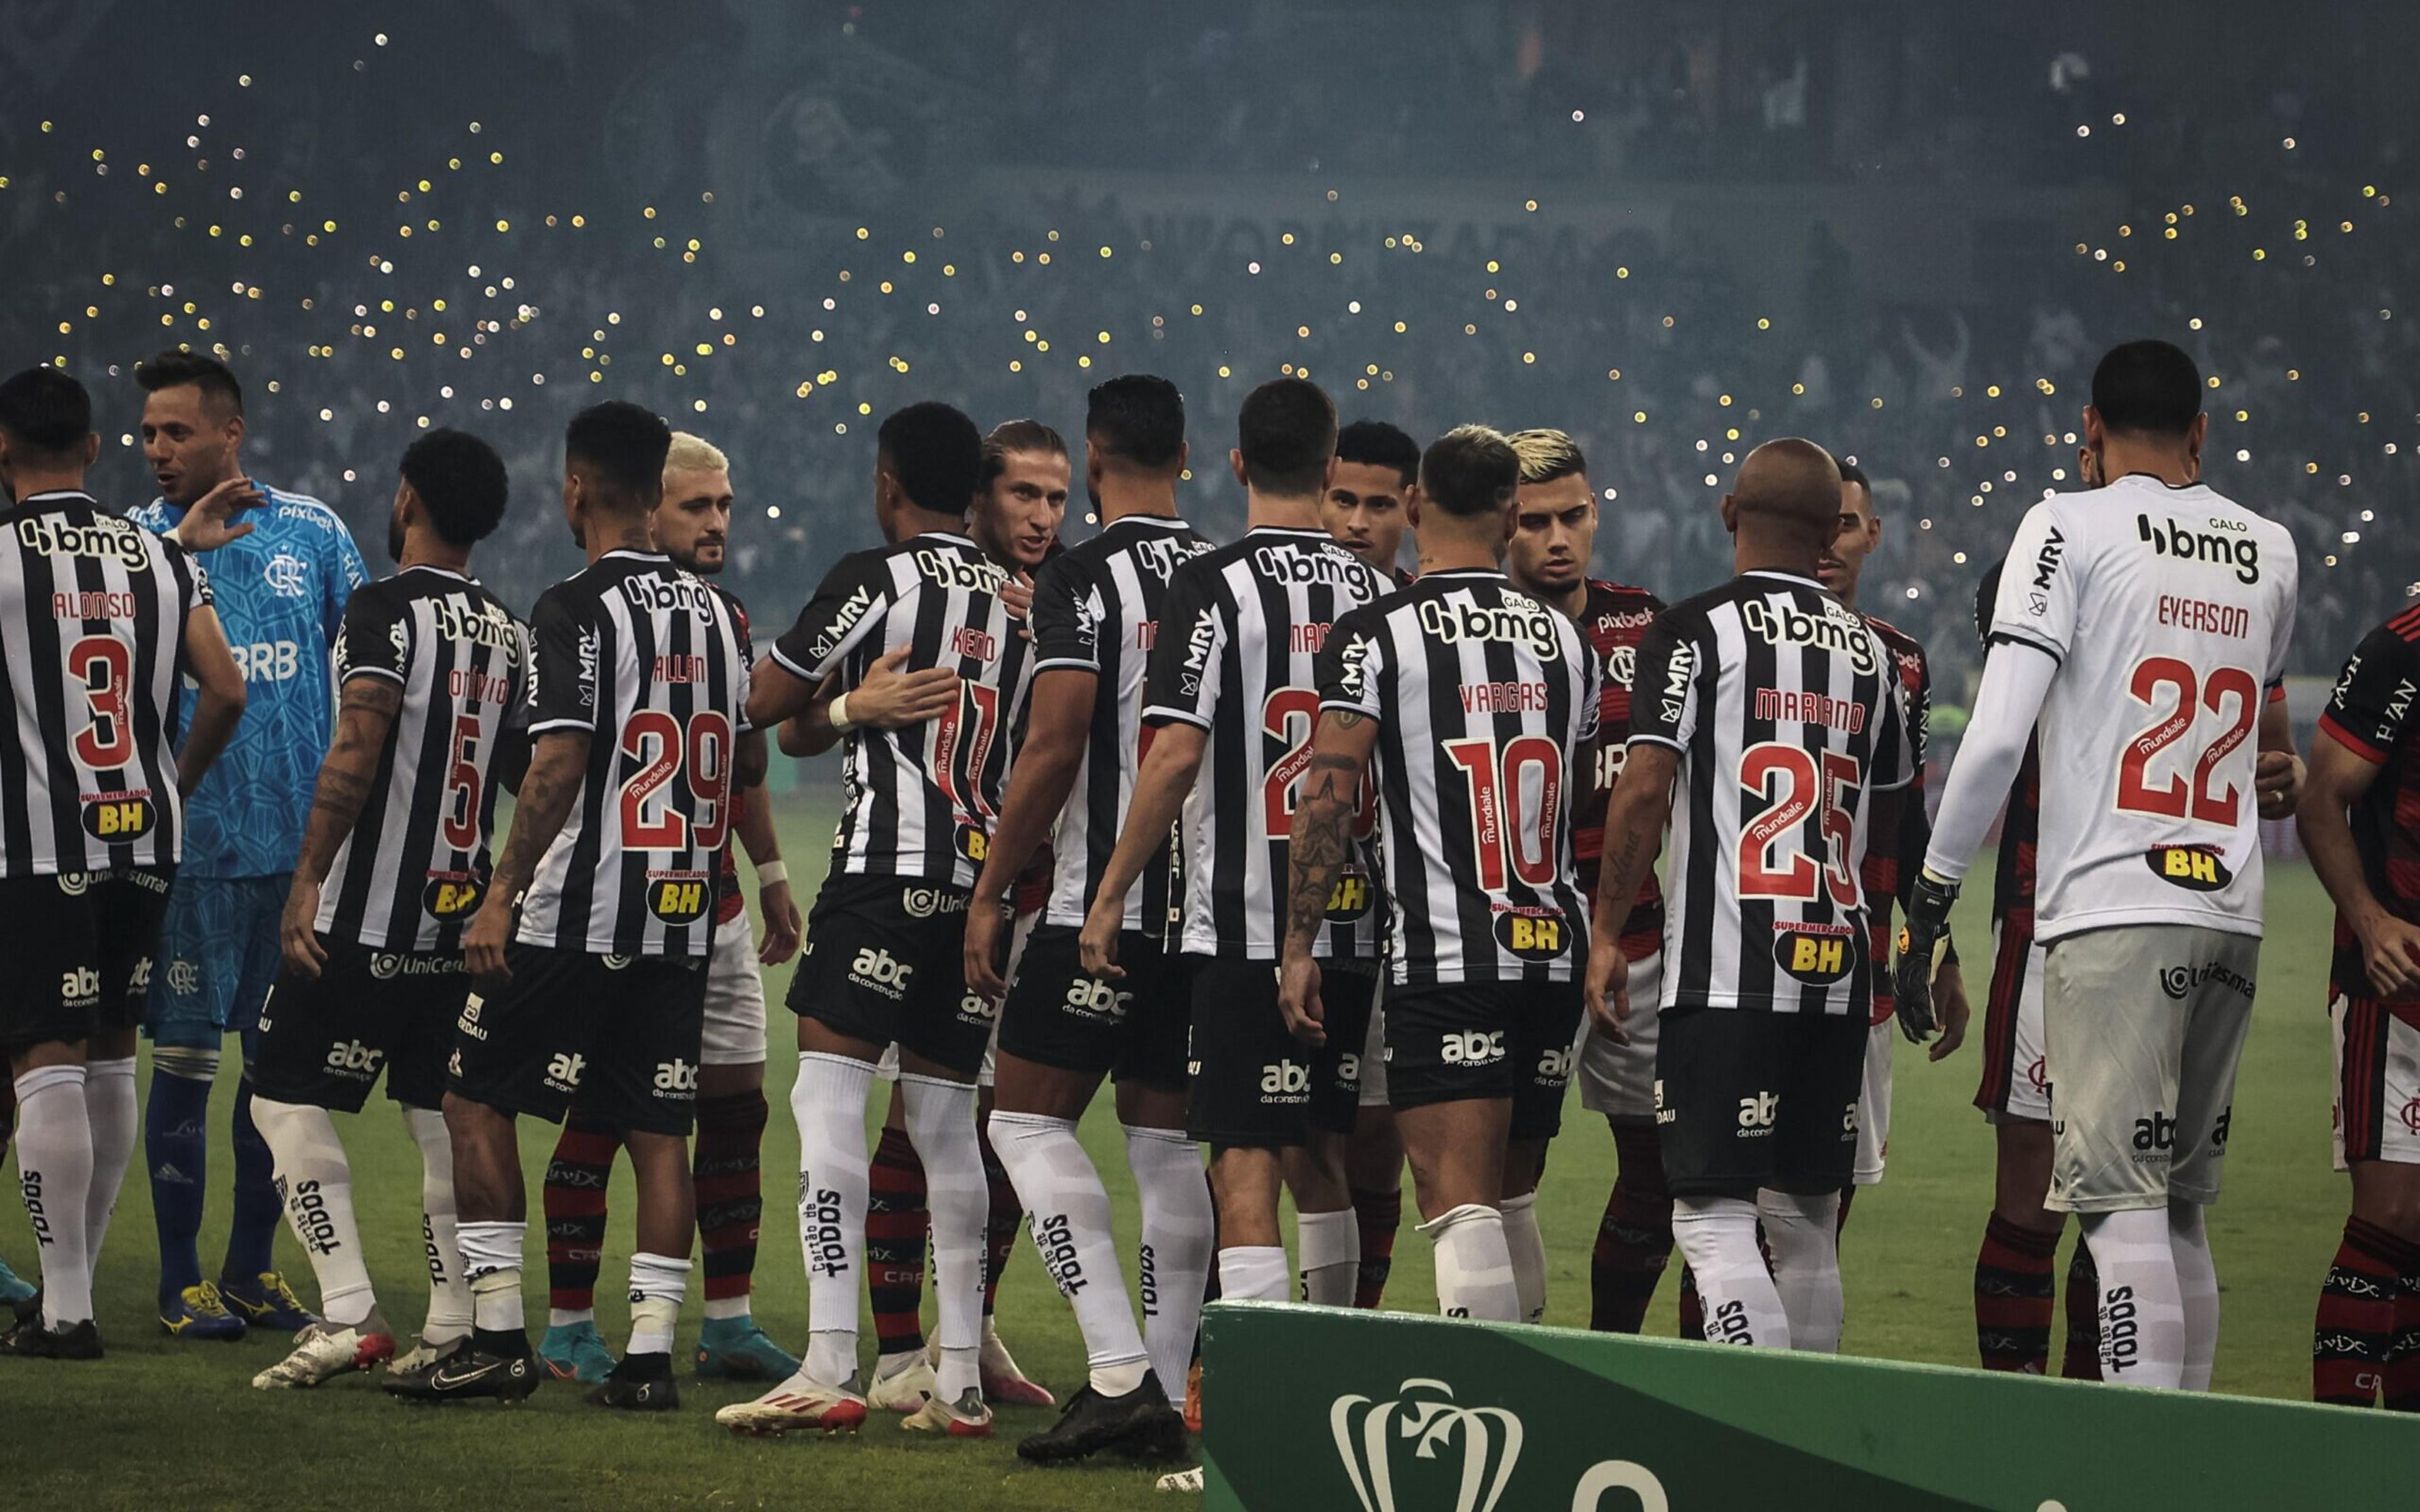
(284, 594)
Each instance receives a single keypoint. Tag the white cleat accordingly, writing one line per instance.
(1002, 1381)
(796, 1404)
(905, 1390)
(1183, 1480)
(322, 1350)
(968, 1418)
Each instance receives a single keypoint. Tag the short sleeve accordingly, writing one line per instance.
(1894, 757)
(746, 642)
(846, 607)
(1591, 694)
(518, 713)
(343, 573)
(2371, 708)
(2039, 593)
(1919, 713)
(564, 673)
(1067, 611)
(374, 640)
(1663, 691)
(2281, 640)
(1183, 681)
(1352, 664)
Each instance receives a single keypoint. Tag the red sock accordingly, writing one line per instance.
(575, 1211)
(1380, 1214)
(896, 1223)
(2016, 1290)
(1633, 1245)
(2081, 1361)
(2404, 1369)
(2355, 1330)
(1004, 1223)
(730, 1190)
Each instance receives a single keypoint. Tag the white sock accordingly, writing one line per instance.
(1252, 1273)
(440, 1241)
(1180, 1225)
(2197, 1289)
(658, 1284)
(1330, 1256)
(491, 1259)
(1527, 1247)
(1804, 1235)
(109, 1108)
(317, 1186)
(1474, 1267)
(828, 1102)
(1717, 1237)
(1069, 1213)
(941, 1126)
(54, 1176)
(2142, 1307)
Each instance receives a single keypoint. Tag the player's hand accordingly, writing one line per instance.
(1608, 990)
(1950, 1010)
(782, 925)
(985, 923)
(483, 943)
(1096, 947)
(1298, 1000)
(2278, 782)
(2390, 952)
(1017, 596)
(890, 698)
(210, 523)
(296, 934)
(1927, 920)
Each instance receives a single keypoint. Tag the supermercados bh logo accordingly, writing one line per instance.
(1425, 1450)
(2193, 868)
(677, 896)
(118, 818)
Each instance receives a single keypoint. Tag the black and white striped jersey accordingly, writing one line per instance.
(918, 802)
(92, 642)
(416, 866)
(1785, 707)
(1096, 609)
(652, 662)
(1239, 635)
(1486, 702)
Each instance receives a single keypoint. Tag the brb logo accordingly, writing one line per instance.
(267, 662)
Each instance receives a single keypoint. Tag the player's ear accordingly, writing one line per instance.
(233, 430)
(2095, 434)
(1235, 465)
(2196, 435)
(1184, 455)
(1328, 478)
(1412, 506)
(1730, 514)
(92, 446)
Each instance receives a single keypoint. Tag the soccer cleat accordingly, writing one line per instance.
(467, 1374)
(1139, 1424)
(904, 1389)
(325, 1350)
(1183, 1480)
(799, 1402)
(573, 1352)
(640, 1383)
(1002, 1381)
(14, 1289)
(1193, 1395)
(31, 1339)
(966, 1418)
(734, 1348)
(408, 1369)
(268, 1302)
(200, 1313)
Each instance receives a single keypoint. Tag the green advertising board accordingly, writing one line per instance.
(1321, 1407)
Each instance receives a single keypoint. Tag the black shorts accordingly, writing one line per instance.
(885, 961)
(75, 953)
(324, 1039)
(1255, 1086)
(1461, 1040)
(1133, 1028)
(1748, 1098)
(619, 1032)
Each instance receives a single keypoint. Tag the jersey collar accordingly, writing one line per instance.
(29, 504)
(442, 572)
(629, 552)
(1463, 572)
(1784, 577)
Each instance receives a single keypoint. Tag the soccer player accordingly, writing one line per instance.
(1232, 699)
(2149, 868)
(430, 666)
(1553, 537)
(1775, 712)
(885, 961)
(636, 708)
(281, 590)
(100, 618)
(2355, 824)
(1468, 705)
(1096, 613)
(692, 527)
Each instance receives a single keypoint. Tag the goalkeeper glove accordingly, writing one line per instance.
(1928, 922)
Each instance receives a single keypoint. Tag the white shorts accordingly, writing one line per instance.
(1619, 1080)
(734, 998)
(887, 1068)
(1374, 1048)
(1874, 1105)
(2377, 1083)
(2016, 1077)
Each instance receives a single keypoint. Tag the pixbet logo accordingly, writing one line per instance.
(1471, 1048)
(1757, 1114)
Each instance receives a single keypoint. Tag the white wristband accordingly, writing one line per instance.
(771, 874)
(838, 714)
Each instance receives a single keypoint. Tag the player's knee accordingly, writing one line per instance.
(192, 1062)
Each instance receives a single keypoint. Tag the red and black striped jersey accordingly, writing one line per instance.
(2012, 877)
(2370, 714)
(1614, 621)
(1900, 832)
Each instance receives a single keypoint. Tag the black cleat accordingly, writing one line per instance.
(468, 1373)
(31, 1340)
(1139, 1424)
(639, 1384)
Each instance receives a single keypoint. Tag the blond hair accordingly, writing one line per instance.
(1546, 455)
(694, 454)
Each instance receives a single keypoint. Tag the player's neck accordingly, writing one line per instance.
(1267, 511)
(619, 535)
(2123, 457)
(1763, 558)
(27, 482)
(1154, 498)
(1448, 555)
(914, 522)
(1572, 601)
(426, 548)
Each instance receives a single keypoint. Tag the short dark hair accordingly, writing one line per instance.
(1851, 473)
(461, 481)
(1287, 433)
(620, 446)
(176, 367)
(1375, 443)
(2146, 388)
(46, 412)
(1138, 418)
(937, 454)
(1471, 470)
(1017, 436)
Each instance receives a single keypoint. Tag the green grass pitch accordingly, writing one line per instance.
(162, 1424)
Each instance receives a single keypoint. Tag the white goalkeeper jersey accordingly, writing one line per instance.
(2169, 611)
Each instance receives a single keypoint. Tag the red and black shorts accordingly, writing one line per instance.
(2378, 1080)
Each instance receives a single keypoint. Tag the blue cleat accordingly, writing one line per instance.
(199, 1313)
(14, 1289)
(572, 1351)
(734, 1348)
(268, 1302)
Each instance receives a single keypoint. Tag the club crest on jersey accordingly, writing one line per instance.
(1533, 933)
(677, 896)
(1351, 899)
(2193, 868)
(973, 843)
(1818, 955)
(450, 894)
(119, 818)
(286, 574)
(1620, 666)
(1833, 628)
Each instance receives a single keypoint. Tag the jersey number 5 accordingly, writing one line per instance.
(1771, 865)
(2173, 799)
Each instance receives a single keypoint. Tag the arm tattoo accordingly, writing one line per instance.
(557, 771)
(1315, 853)
(362, 722)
